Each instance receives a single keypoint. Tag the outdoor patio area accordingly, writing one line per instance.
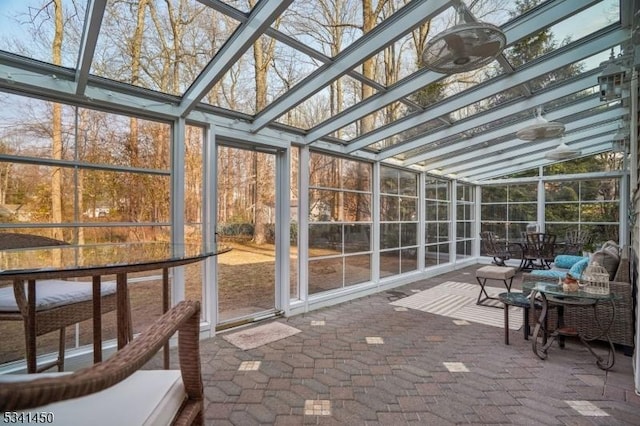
(366, 362)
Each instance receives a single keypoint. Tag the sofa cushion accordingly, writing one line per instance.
(549, 273)
(147, 397)
(566, 261)
(610, 243)
(578, 268)
(608, 258)
(53, 293)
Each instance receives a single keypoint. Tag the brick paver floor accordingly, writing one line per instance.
(364, 363)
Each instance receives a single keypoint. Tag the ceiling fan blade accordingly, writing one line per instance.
(485, 50)
(455, 43)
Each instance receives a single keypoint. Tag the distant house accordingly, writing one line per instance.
(97, 212)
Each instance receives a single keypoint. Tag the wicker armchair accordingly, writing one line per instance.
(48, 318)
(99, 394)
(621, 332)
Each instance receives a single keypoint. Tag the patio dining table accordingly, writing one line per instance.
(96, 261)
(530, 257)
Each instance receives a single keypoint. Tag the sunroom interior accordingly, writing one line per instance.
(339, 148)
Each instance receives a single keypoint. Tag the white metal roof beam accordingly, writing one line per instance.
(523, 26)
(565, 56)
(473, 145)
(508, 151)
(387, 32)
(503, 111)
(90, 32)
(261, 17)
(522, 164)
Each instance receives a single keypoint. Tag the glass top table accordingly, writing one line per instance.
(96, 260)
(554, 295)
(69, 261)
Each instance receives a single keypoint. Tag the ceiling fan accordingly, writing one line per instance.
(541, 129)
(562, 152)
(463, 47)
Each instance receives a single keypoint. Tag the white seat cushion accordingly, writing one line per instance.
(53, 293)
(147, 397)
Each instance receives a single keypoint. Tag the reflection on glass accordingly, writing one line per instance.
(409, 260)
(325, 274)
(357, 207)
(408, 208)
(357, 269)
(389, 263)
(389, 208)
(388, 180)
(357, 238)
(325, 239)
(409, 234)
(408, 183)
(390, 235)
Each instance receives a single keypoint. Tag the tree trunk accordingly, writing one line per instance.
(263, 51)
(56, 128)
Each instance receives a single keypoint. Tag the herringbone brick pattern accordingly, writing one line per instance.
(329, 374)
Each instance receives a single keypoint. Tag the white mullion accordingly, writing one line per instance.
(177, 203)
(209, 215)
(283, 227)
(375, 224)
(422, 218)
(303, 228)
(453, 249)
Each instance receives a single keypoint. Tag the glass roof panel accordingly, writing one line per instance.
(327, 30)
(27, 28)
(598, 16)
(285, 68)
(242, 5)
(330, 27)
(167, 63)
(322, 105)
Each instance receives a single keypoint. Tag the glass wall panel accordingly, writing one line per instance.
(294, 183)
(507, 209)
(398, 231)
(590, 205)
(464, 220)
(340, 196)
(438, 220)
(90, 177)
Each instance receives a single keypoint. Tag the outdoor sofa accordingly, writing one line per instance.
(622, 329)
(118, 391)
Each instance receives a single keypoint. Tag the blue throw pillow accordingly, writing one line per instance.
(566, 261)
(577, 269)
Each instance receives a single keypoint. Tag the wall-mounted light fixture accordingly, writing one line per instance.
(611, 80)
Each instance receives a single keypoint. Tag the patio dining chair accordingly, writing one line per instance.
(538, 250)
(59, 303)
(492, 246)
(575, 240)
